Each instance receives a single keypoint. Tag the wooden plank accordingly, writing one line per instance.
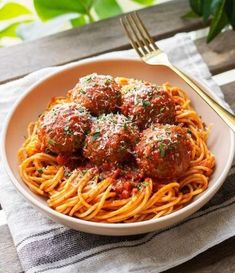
(220, 53)
(220, 258)
(229, 94)
(225, 77)
(107, 35)
(9, 261)
(162, 20)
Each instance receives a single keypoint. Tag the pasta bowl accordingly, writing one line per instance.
(36, 98)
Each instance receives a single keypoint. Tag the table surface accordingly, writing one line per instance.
(105, 36)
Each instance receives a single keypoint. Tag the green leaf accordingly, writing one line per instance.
(79, 21)
(144, 2)
(196, 6)
(12, 10)
(206, 10)
(47, 9)
(190, 14)
(214, 5)
(230, 10)
(10, 31)
(219, 21)
(107, 8)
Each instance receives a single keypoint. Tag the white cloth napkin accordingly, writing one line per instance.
(45, 246)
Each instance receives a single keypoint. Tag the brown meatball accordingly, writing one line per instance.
(145, 104)
(111, 140)
(164, 151)
(98, 93)
(63, 128)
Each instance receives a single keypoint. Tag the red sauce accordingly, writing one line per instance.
(111, 144)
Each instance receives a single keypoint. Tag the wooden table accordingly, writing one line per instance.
(163, 21)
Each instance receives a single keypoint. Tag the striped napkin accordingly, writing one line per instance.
(45, 246)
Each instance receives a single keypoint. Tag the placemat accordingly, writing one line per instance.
(44, 246)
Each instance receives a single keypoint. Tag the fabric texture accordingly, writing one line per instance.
(45, 246)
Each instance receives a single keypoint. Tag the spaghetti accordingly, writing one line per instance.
(92, 193)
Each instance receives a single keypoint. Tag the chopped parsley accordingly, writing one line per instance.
(47, 151)
(122, 147)
(189, 132)
(41, 170)
(67, 174)
(51, 141)
(96, 135)
(162, 149)
(89, 78)
(125, 126)
(107, 82)
(142, 185)
(146, 103)
(84, 172)
(68, 131)
(162, 109)
(173, 146)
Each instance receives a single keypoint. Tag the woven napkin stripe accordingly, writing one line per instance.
(74, 248)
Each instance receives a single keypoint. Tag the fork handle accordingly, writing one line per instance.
(221, 111)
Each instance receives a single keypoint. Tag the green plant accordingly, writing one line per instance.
(218, 13)
(80, 12)
(11, 16)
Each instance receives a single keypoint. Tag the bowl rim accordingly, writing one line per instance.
(49, 211)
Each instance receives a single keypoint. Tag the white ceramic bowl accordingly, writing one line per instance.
(221, 139)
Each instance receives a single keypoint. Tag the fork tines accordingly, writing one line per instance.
(138, 35)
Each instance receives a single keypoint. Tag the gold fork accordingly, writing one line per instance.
(149, 52)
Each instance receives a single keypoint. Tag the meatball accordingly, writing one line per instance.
(63, 128)
(111, 140)
(164, 151)
(98, 93)
(146, 104)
